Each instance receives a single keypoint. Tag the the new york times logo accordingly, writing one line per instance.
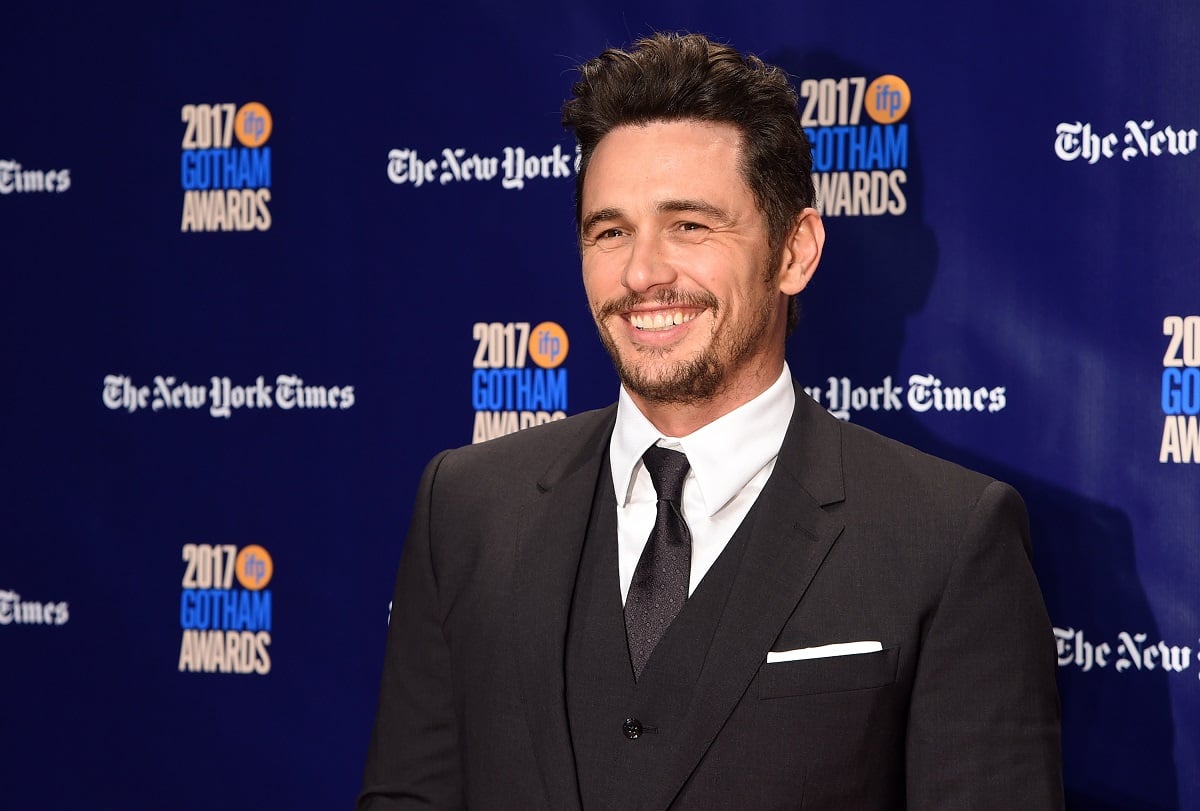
(222, 396)
(17, 611)
(925, 392)
(1141, 139)
(15, 179)
(513, 167)
(1131, 653)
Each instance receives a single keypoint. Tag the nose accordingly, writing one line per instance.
(648, 265)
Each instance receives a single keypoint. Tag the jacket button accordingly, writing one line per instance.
(632, 728)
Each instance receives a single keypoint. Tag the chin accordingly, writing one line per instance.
(680, 382)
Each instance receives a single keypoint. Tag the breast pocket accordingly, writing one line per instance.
(833, 674)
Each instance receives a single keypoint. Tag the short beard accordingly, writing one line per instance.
(693, 380)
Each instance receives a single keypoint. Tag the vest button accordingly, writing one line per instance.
(632, 728)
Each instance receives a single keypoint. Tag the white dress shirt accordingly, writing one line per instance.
(731, 459)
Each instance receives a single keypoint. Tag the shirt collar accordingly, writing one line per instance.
(724, 455)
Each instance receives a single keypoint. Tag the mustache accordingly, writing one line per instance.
(667, 297)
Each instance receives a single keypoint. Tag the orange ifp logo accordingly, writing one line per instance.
(888, 99)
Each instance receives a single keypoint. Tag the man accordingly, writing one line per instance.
(712, 595)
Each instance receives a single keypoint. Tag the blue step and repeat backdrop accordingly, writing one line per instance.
(260, 262)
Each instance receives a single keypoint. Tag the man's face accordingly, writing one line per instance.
(676, 264)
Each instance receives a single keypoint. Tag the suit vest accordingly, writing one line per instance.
(622, 728)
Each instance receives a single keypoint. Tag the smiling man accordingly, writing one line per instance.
(712, 594)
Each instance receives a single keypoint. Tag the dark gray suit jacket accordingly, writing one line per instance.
(856, 538)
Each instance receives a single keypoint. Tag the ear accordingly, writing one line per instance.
(801, 252)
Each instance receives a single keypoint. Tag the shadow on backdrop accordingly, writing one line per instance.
(877, 272)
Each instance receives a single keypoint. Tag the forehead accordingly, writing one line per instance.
(666, 159)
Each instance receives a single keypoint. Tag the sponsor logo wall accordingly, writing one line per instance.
(328, 256)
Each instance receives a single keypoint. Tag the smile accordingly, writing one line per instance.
(660, 319)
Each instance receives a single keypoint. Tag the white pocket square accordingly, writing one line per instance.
(824, 651)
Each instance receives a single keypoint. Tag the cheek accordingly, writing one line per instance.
(591, 279)
(601, 278)
(597, 292)
(721, 271)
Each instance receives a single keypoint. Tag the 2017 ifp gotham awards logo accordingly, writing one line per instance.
(860, 166)
(226, 187)
(1181, 391)
(226, 626)
(508, 396)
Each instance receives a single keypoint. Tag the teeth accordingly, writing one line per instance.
(659, 320)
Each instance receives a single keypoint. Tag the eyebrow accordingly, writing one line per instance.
(697, 206)
(596, 217)
(664, 207)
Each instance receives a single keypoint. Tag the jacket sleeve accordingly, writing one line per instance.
(414, 759)
(984, 726)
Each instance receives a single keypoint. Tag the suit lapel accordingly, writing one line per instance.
(790, 537)
(549, 546)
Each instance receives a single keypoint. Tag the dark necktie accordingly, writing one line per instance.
(660, 582)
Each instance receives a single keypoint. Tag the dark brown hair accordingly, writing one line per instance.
(674, 77)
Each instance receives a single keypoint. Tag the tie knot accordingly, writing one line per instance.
(667, 469)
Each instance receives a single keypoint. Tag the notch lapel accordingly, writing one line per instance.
(791, 536)
(549, 546)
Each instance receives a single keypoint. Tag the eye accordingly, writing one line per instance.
(691, 231)
(691, 227)
(607, 236)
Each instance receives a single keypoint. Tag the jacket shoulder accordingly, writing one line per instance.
(906, 466)
(846, 460)
(884, 476)
(534, 449)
